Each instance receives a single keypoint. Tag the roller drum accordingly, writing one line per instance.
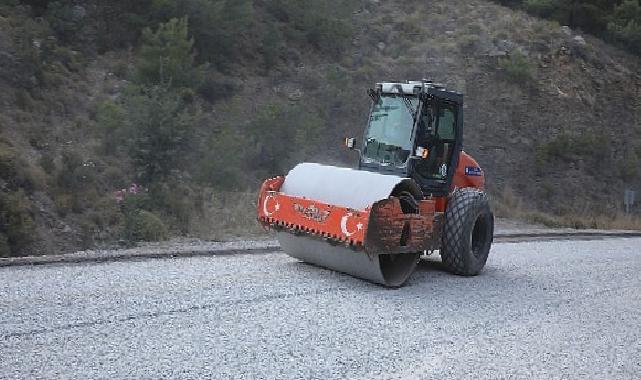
(347, 188)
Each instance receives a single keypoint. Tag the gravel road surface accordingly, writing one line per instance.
(567, 310)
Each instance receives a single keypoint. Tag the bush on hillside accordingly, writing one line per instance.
(222, 164)
(76, 174)
(110, 118)
(625, 26)
(591, 148)
(544, 8)
(177, 202)
(629, 167)
(277, 133)
(31, 46)
(47, 162)
(222, 29)
(144, 225)
(325, 25)
(67, 20)
(216, 86)
(114, 24)
(37, 58)
(16, 220)
(5, 248)
(158, 131)
(271, 46)
(8, 161)
(589, 15)
(140, 222)
(619, 21)
(517, 67)
(17, 173)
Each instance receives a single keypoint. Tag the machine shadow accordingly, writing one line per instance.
(427, 267)
(430, 264)
(310, 272)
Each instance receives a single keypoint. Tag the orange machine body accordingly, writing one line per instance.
(381, 227)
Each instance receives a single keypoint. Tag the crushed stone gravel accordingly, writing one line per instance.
(548, 310)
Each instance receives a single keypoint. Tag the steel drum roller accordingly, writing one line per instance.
(347, 188)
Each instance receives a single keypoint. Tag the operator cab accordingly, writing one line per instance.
(415, 129)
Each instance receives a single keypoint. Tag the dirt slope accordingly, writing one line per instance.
(552, 114)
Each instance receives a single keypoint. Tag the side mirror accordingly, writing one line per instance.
(350, 143)
(422, 152)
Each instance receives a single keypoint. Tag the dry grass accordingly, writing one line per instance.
(618, 221)
(232, 215)
(601, 222)
(507, 204)
(228, 216)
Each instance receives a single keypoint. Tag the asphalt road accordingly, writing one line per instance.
(567, 310)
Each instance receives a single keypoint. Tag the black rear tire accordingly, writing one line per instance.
(468, 232)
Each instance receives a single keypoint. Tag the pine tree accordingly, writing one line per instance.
(167, 57)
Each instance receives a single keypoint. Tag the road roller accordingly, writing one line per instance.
(414, 191)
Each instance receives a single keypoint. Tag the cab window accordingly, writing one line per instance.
(446, 124)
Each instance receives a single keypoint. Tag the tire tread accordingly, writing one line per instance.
(464, 204)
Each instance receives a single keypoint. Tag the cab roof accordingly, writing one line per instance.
(419, 87)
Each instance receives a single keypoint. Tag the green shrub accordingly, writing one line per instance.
(542, 8)
(73, 175)
(625, 26)
(114, 177)
(17, 173)
(110, 120)
(30, 72)
(619, 20)
(8, 161)
(66, 20)
(158, 136)
(117, 24)
(136, 202)
(5, 248)
(323, 24)
(571, 148)
(222, 162)
(24, 100)
(547, 190)
(63, 203)
(47, 162)
(271, 46)
(517, 67)
(216, 86)
(555, 150)
(107, 213)
(629, 167)
(223, 30)
(16, 220)
(176, 200)
(87, 231)
(145, 226)
(592, 148)
(274, 132)
(70, 59)
(468, 44)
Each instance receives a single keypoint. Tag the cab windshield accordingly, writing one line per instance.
(389, 134)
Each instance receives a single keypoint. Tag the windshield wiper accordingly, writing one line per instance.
(410, 107)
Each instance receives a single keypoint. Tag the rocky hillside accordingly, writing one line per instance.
(195, 102)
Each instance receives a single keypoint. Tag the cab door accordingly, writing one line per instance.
(437, 132)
